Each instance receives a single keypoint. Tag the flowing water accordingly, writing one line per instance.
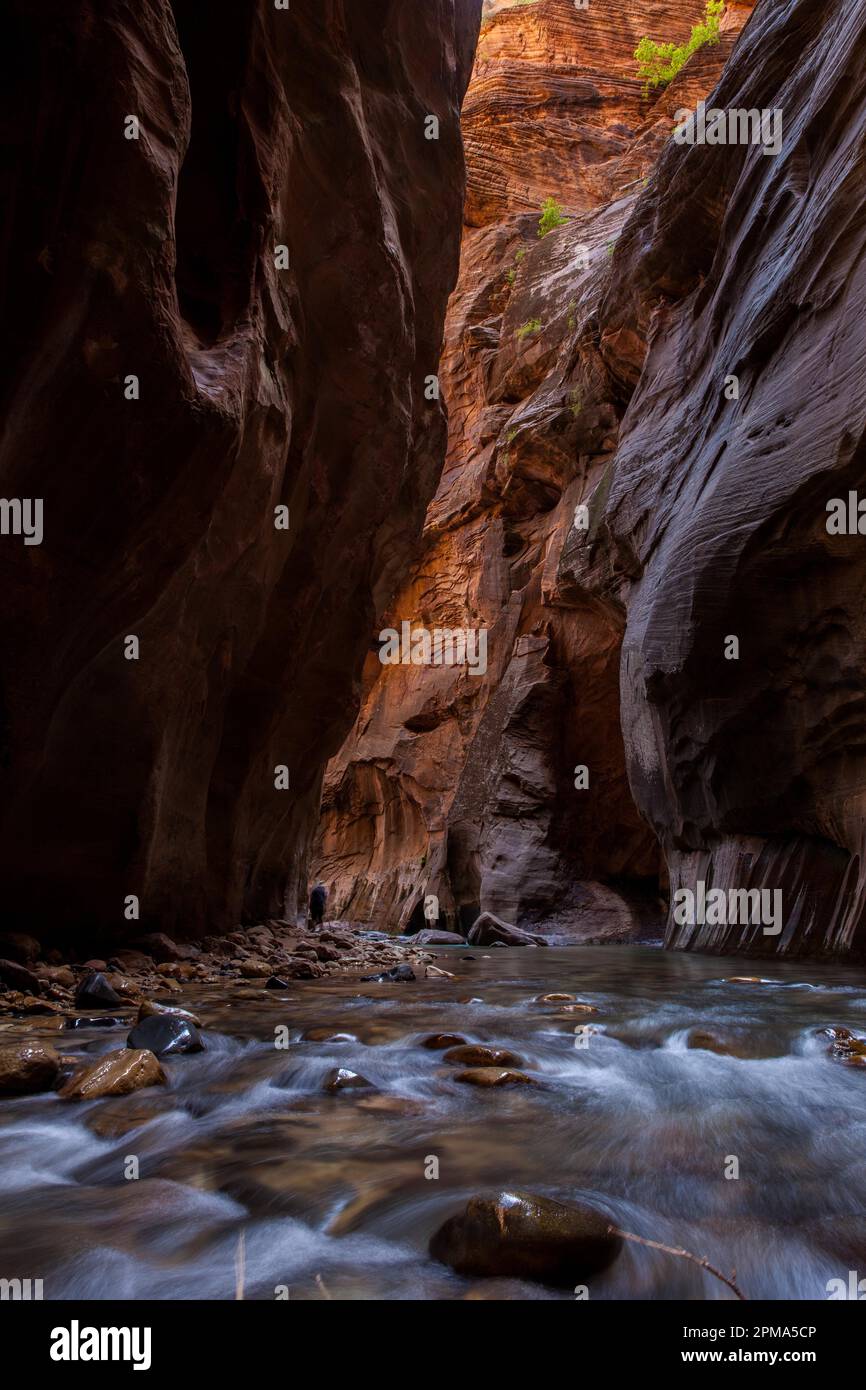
(250, 1175)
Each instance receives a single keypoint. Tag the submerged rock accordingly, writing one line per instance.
(474, 1055)
(342, 1079)
(488, 930)
(27, 1068)
(95, 992)
(115, 1074)
(701, 1040)
(398, 974)
(165, 1034)
(491, 1076)
(437, 1042)
(519, 1234)
(326, 1035)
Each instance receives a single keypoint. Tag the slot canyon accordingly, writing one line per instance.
(433, 689)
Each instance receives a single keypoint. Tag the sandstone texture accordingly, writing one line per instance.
(750, 770)
(460, 785)
(258, 387)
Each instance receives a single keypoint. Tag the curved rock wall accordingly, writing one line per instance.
(751, 766)
(149, 248)
(461, 785)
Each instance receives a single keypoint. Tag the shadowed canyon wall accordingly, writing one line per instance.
(463, 785)
(149, 249)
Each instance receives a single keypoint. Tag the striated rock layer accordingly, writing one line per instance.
(258, 387)
(752, 771)
(462, 785)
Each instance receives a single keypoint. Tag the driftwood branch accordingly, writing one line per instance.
(685, 1255)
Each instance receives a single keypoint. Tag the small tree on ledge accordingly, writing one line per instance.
(552, 215)
(659, 63)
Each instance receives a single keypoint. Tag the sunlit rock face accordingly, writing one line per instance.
(461, 785)
(258, 386)
(556, 106)
(752, 768)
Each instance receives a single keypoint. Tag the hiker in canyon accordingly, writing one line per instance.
(318, 899)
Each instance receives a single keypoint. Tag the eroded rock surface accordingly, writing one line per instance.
(256, 387)
(463, 785)
(734, 263)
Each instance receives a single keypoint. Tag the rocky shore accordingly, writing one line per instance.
(141, 988)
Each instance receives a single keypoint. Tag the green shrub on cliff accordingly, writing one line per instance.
(659, 63)
(552, 215)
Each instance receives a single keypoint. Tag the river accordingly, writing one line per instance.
(251, 1178)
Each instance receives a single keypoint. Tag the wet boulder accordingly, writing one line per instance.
(398, 974)
(437, 1042)
(474, 1055)
(527, 1237)
(19, 977)
(342, 1079)
(488, 930)
(95, 992)
(847, 1047)
(27, 1068)
(489, 1076)
(150, 1007)
(298, 968)
(115, 1074)
(429, 936)
(165, 1035)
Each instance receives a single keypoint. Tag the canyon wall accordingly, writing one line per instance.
(463, 785)
(228, 244)
(750, 764)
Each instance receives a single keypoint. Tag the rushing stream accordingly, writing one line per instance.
(329, 1191)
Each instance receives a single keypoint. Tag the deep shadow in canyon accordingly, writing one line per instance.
(243, 213)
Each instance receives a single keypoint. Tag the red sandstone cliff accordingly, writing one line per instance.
(462, 785)
(258, 386)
